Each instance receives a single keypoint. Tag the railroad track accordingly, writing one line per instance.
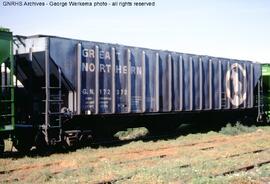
(110, 143)
(120, 142)
(20, 179)
(117, 142)
(159, 156)
(27, 167)
(244, 168)
(105, 143)
(188, 165)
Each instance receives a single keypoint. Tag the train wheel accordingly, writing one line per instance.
(2, 146)
(40, 143)
(22, 145)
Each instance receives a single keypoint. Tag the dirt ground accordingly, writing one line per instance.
(195, 158)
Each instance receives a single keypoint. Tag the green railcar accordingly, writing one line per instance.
(266, 88)
(7, 103)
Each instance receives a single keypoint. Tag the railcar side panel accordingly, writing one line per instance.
(146, 81)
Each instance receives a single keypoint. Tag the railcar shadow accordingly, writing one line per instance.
(13, 154)
(184, 129)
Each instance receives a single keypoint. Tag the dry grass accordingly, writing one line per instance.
(195, 158)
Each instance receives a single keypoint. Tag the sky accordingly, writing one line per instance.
(238, 29)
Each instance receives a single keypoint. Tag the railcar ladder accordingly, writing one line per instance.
(260, 101)
(6, 98)
(52, 128)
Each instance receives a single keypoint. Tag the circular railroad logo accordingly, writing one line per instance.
(235, 90)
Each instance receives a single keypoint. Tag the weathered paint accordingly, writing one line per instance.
(165, 82)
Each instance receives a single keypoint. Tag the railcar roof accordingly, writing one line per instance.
(117, 44)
